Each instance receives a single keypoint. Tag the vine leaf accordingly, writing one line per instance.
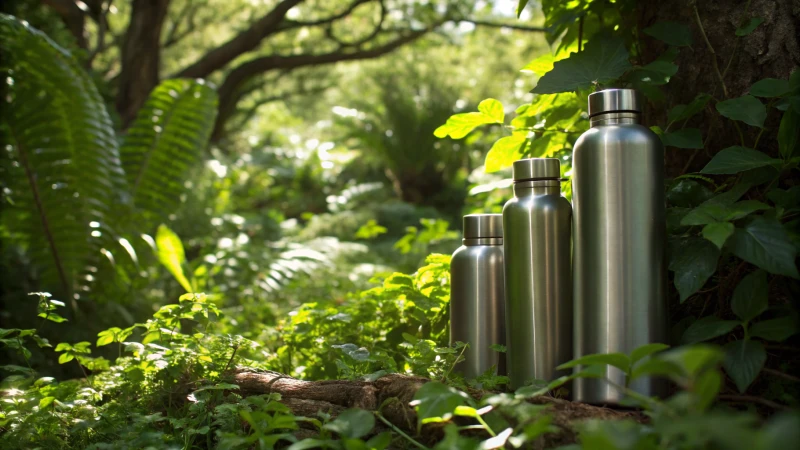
(693, 261)
(744, 359)
(746, 108)
(718, 232)
(750, 296)
(603, 59)
(673, 33)
(505, 151)
(748, 28)
(707, 328)
(777, 330)
(685, 138)
(765, 243)
(738, 159)
(460, 125)
(769, 87)
(788, 133)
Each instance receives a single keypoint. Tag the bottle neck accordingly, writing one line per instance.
(538, 187)
(615, 118)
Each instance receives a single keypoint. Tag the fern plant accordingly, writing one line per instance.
(65, 189)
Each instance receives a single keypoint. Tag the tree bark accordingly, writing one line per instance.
(772, 50)
(140, 57)
(390, 395)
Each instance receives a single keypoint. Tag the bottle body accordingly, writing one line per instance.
(619, 241)
(477, 304)
(537, 227)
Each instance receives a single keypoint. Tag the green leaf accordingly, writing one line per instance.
(718, 232)
(789, 133)
(693, 262)
(646, 350)
(602, 60)
(673, 33)
(769, 87)
(746, 108)
(656, 73)
(460, 125)
(738, 159)
(765, 243)
(748, 28)
(618, 360)
(520, 6)
(435, 401)
(171, 255)
(380, 441)
(655, 366)
(352, 423)
(694, 358)
(45, 402)
(52, 317)
(707, 328)
(706, 387)
(782, 431)
(777, 330)
(505, 151)
(750, 296)
(683, 112)
(685, 138)
(744, 359)
(65, 358)
(492, 108)
(542, 64)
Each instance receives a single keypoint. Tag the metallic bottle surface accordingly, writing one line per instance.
(537, 226)
(476, 295)
(620, 233)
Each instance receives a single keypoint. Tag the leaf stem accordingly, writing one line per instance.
(710, 48)
(486, 426)
(444, 377)
(399, 431)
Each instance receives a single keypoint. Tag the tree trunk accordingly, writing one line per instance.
(306, 398)
(771, 51)
(141, 57)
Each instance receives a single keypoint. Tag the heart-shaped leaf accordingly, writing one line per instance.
(718, 232)
(602, 60)
(505, 151)
(765, 243)
(738, 159)
(746, 108)
(707, 328)
(685, 138)
(750, 296)
(777, 330)
(770, 87)
(693, 261)
(744, 359)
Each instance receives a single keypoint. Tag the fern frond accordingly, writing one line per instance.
(165, 141)
(65, 154)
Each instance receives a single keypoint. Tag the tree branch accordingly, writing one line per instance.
(513, 26)
(241, 43)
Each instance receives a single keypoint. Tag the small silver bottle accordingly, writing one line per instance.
(476, 295)
(537, 225)
(620, 231)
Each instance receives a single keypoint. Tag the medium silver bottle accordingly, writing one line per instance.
(476, 295)
(620, 228)
(537, 226)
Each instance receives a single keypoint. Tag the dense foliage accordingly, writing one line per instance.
(310, 237)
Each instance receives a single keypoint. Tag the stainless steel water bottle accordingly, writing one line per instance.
(620, 273)
(476, 295)
(537, 224)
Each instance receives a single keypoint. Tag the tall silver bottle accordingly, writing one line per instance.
(537, 224)
(476, 295)
(620, 231)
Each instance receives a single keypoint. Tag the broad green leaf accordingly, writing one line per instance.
(789, 133)
(435, 401)
(542, 64)
(769, 87)
(618, 360)
(744, 359)
(520, 6)
(52, 317)
(707, 328)
(750, 296)
(683, 112)
(352, 423)
(65, 358)
(171, 254)
(45, 402)
(777, 330)
(765, 243)
(505, 151)
(673, 33)
(646, 350)
(655, 366)
(380, 441)
(693, 262)
(656, 73)
(694, 358)
(748, 28)
(493, 109)
(706, 387)
(738, 159)
(718, 232)
(746, 108)
(602, 60)
(685, 138)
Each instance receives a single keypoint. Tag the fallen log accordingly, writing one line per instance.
(391, 394)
